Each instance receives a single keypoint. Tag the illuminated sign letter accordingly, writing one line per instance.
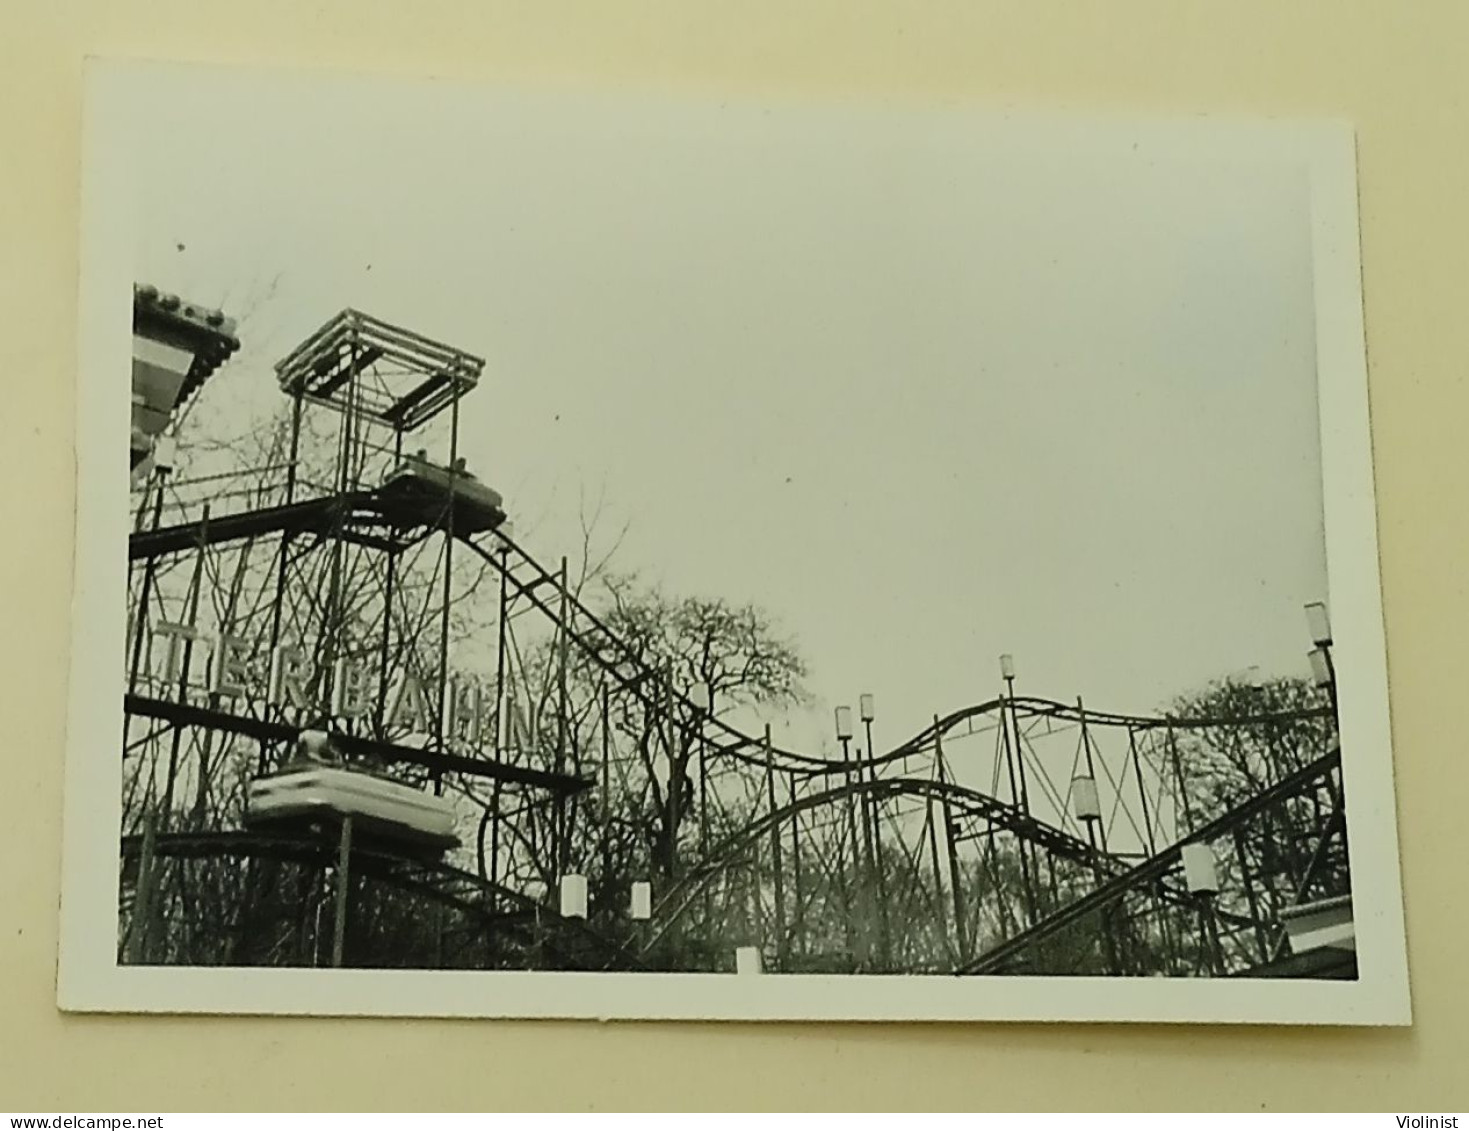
(288, 676)
(351, 693)
(466, 705)
(175, 634)
(231, 667)
(518, 732)
(411, 708)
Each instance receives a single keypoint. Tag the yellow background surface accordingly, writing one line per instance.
(1396, 69)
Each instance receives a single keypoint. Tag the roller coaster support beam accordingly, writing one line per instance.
(938, 884)
(188, 714)
(1335, 826)
(1142, 791)
(559, 824)
(884, 923)
(1188, 811)
(502, 702)
(674, 802)
(343, 887)
(1209, 935)
(961, 933)
(140, 936)
(1015, 759)
(775, 860)
(605, 814)
(139, 624)
(1097, 830)
(856, 943)
(1251, 899)
(1019, 750)
(448, 598)
(704, 709)
(798, 936)
(196, 584)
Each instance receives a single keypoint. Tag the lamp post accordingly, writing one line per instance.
(844, 736)
(1201, 877)
(1088, 805)
(1015, 766)
(1323, 670)
(866, 710)
(1021, 796)
(866, 707)
(844, 733)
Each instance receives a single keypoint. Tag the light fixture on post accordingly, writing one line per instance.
(1087, 804)
(573, 896)
(866, 708)
(165, 453)
(844, 736)
(749, 961)
(1201, 877)
(642, 900)
(1200, 871)
(1319, 624)
(844, 725)
(1084, 799)
(1007, 667)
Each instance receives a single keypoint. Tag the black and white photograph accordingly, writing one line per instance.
(642, 555)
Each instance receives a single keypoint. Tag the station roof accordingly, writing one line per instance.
(206, 333)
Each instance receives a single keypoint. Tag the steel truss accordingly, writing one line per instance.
(872, 861)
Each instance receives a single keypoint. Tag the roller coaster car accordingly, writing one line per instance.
(315, 786)
(420, 491)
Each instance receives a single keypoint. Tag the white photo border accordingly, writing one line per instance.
(91, 979)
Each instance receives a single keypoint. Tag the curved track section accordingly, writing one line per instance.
(967, 802)
(530, 580)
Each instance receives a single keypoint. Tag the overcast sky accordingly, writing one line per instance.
(928, 387)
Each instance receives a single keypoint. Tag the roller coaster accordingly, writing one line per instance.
(318, 575)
